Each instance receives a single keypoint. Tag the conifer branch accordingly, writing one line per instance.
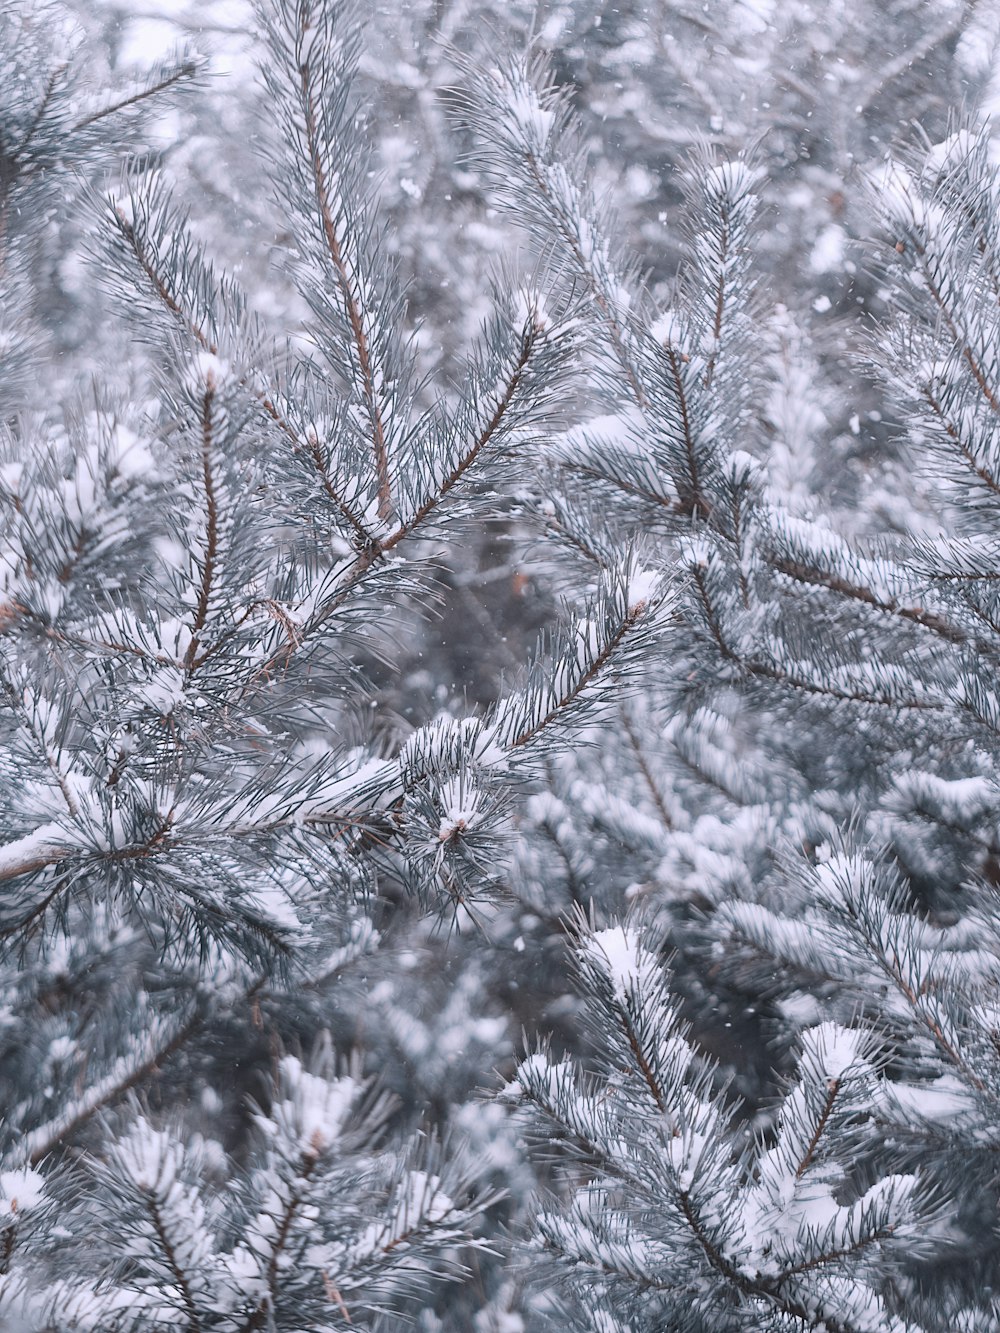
(570, 237)
(807, 1158)
(629, 487)
(258, 1316)
(46, 99)
(643, 1065)
(770, 671)
(690, 492)
(361, 533)
(930, 620)
(170, 1254)
(985, 475)
(958, 338)
(185, 71)
(44, 846)
(873, 1238)
(354, 313)
(161, 289)
(39, 1143)
(211, 556)
(720, 297)
(505, 399)
(646, 770)
(601, 660)
(17, 704)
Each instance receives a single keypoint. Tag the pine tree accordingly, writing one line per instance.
(199, 832)
(807, 826)
(264, 953)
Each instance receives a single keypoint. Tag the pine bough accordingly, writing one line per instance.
(804, 795)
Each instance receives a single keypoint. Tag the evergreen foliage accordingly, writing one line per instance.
(723, 846)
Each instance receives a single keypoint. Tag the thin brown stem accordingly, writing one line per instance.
(43, 106)
(720, 299)
(771, 671)
(554, 524)
(711, 1251)
(746, 1285)
(39, 856)
(803, 573)
(953, 433)
(768, 671)
(46, 1139)
(332, 494)
(258, 1316)
(834, 1256)
(629, 487)
(949, 320)
(933, 1026)
(690, 493)
(334, 1297)
(260, 396)
(715, 629)
(52, 763)
(35, 913)
(639, 1055)
(375, 549)
(600, 300)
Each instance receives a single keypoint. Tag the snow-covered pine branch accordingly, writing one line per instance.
(683, 1218)
(319, 1222)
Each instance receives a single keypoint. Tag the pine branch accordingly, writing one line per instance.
(692, 500)
(258, 1317)
(184, 71)
(985, 475)
(645, 770)
(193, 657)
(21, 151)
(354, 313)
(807, 1158)
(145, 260)
(39, 1143)
(44, 846)
(929, 620)
(631, 623)
(170, 1254)
(507, 396)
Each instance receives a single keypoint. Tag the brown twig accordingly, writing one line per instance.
(690, 494)
(832, 1091)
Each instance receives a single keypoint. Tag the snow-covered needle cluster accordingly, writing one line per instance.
(499, 739)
